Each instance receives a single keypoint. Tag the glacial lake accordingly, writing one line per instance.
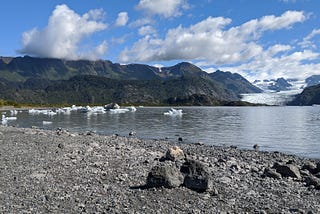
(292, 130)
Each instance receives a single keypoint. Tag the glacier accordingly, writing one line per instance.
(278, 98)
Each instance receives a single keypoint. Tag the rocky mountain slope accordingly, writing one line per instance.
(313, 80)
(44, 80)
(309, 96)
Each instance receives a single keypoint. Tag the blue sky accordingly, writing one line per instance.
(259, 39)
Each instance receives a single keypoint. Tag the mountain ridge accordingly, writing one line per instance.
(28, 77)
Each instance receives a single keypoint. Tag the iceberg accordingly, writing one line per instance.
(118, 111)
(44, 111)
(132, 108)
(174, 112)
(5, 119)
(46, 122)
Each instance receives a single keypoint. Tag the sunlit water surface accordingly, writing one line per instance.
(292, 130)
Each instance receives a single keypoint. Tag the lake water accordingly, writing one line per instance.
(292, 130)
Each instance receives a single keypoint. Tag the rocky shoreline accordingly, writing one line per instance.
(45, 171)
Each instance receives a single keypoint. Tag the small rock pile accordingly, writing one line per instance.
(309, 172)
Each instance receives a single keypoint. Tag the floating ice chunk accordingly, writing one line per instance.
(98, 109)
(4, 119)
(34, 111)
(94, 109)
(8, 118)
(13, 112)
(46, 122)
(174, 112)
(132, 108)
(118, 111)
(51, 113)
(42, 111)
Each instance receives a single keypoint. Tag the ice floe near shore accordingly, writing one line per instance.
(174, 112)
(4, 119)
(88, 109)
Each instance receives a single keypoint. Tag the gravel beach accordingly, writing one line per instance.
(45, 171)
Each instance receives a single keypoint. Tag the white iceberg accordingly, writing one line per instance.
(46, 122)
(132, 108)
(174, 112)
(42, 111)
(4, 119)
(118, 111)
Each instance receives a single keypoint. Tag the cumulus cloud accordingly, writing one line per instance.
(210, 41)
(63, 35)
(165, 8)
(297, 64)
(146, 30)
(122, 19)
(141, 22)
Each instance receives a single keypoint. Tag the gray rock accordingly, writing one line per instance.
(288, 170)
(165, 174)
(132, 133)
(271, 173)
(312, 180)
(310, 166)
(197, 176)
(199, 143)
(318, 166)
(256, 147)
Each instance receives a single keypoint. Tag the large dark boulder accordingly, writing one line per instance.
(165, 174)
(197, 176)
(312, 180)
(310, 166)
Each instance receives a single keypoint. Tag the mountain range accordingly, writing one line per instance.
(58, 81)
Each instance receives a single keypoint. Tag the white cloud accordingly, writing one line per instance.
(307, 41)
(165, 8)
(122, 19)
(209, 41)
(62, 36)
(146, 30)
(141, 22)
(289, 64)
(284, 21)
(239, 49)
